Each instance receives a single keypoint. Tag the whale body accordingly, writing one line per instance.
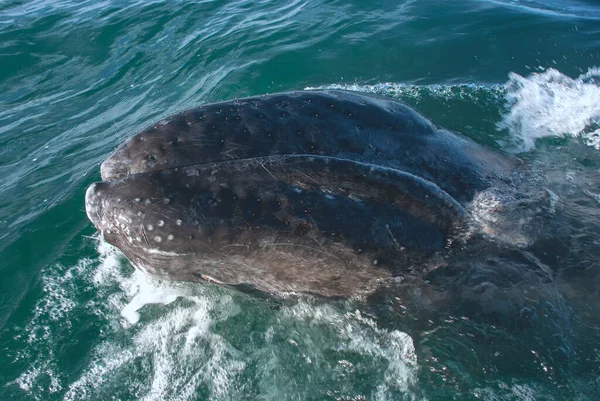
(325, 192)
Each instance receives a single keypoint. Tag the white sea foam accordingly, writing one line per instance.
(512, 391)
(160, 341)
(50, 315)
(353, 333)
(552, 104)
(177, 347)
(468, 91)
(543, 104)
(178, 352)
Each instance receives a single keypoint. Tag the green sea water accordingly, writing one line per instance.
(78, 78)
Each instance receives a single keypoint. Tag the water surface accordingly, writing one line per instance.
(77, 78)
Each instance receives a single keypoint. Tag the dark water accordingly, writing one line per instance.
(77, 78)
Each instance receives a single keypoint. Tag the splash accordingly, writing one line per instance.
(181, 341)
(551, 104)
(168, 344)
(544, 104)
(51, 316)
(469, 91)
(137, 288)
(172, 356)
(353, 333)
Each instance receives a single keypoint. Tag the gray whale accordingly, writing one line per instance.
(326, 192)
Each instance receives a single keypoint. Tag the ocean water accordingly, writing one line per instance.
(77, 78)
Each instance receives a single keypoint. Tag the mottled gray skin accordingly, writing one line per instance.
(334, 123)
(280, 223)
(326, 192)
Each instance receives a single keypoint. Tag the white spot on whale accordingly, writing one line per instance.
(160, 223)
(150, 227)
(158, 238)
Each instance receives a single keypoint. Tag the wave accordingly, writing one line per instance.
(552, 8)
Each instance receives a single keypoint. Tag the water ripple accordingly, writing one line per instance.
(78, 77)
